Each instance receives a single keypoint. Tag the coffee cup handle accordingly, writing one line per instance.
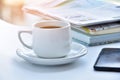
(21, 40)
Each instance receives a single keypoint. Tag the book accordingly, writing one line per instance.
(79, 12)
(94, 40)
(99, 29)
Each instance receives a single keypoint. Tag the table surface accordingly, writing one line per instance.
(13, 67)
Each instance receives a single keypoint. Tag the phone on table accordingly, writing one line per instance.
(108, 60)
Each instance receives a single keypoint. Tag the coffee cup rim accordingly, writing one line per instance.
(66, 22)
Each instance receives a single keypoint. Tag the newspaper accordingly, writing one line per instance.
(79, 12)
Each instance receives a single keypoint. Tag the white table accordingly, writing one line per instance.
(13, 67)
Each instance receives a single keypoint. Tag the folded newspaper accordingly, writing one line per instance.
(100, 29)
(79, 12)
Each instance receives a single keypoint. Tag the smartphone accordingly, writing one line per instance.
(108, 60)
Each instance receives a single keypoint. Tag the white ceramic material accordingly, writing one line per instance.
(76, 52)
(50, 43)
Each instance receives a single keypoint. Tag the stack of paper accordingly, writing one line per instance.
(93, 21)
(93, 40)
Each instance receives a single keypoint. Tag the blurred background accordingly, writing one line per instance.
(11, 11)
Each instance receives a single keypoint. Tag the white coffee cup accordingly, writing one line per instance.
(50, 38)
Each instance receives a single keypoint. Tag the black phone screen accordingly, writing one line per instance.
(108, 60)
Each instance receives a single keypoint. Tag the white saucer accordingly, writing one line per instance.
(77, 51)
